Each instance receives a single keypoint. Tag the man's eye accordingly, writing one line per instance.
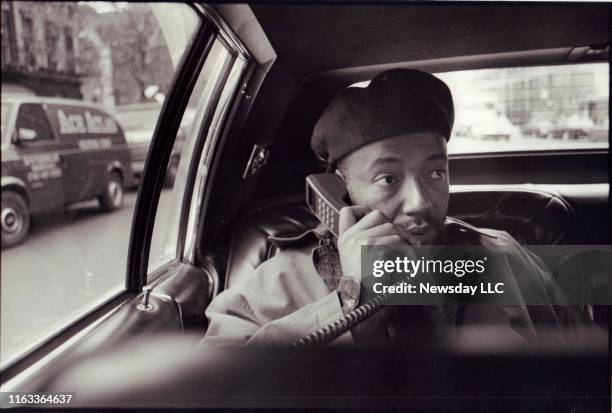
(386, 180)
(438, 174)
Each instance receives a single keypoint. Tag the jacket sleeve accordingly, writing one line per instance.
(282, 302)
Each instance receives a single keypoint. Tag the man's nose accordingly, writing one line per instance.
(416, 201)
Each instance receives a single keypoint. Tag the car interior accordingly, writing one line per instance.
(539, 198)
(302, 55)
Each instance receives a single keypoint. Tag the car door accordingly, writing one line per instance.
(93, 147)
(79, 151)
(165, 289)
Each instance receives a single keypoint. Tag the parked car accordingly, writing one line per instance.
(598, 135)
(138, 122)
(537, 129)
(574, 127)
(491, 126)
(56, 152)
(266, 72)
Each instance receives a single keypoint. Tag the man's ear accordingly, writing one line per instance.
(347, 197)
(337, 172)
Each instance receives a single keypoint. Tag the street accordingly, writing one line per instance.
(69, 259)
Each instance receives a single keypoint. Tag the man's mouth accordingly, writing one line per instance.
(417, 230)
(418, 234)
(420, 230)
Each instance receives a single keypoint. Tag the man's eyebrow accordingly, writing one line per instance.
(436, 156)
(385, 160)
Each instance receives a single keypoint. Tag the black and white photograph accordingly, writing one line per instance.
(348, 206)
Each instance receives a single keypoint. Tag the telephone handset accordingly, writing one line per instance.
(326, 195)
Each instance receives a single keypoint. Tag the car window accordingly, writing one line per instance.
(31, 117)
(199, 109)
(67, 210)
(530, 108)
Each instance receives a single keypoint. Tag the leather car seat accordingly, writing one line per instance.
(532, 217)
(250, 244)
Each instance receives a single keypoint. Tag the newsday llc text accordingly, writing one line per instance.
(428, 288)
(437, 275)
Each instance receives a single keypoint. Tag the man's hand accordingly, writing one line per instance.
(359, 226)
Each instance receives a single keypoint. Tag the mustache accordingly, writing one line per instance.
(407, 222)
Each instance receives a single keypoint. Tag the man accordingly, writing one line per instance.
(388, 143)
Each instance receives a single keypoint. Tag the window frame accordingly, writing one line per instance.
(205, 112)
(203, 117)
(206, 173)
(159, 153)
(208, 139)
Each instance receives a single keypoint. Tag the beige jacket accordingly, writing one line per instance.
(287, 299)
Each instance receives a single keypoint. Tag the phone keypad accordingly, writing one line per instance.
(325, 213)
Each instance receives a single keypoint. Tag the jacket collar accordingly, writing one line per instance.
(457, 223)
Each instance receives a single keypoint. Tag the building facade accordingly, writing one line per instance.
(556, 93)
(40, 47)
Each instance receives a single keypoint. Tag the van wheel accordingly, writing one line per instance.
(112, 198)
(15, 217)
(171, 172)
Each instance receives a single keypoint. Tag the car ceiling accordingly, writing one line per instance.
(311, 38)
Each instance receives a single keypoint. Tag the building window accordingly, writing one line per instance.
(29, 41)
(51, 46)
(69, 45)
(7, 36)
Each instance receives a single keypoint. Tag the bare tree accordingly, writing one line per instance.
(139, 53)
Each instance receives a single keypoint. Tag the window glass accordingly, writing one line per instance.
(69, 47)
(29, 41)
(200, 107)
(530, 108)
(7, 47)
(33, 118)
(67, 212)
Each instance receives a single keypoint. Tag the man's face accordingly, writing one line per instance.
(404, 177)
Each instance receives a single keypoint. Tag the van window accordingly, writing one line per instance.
(32, 116)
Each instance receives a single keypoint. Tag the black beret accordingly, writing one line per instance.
(396, 101)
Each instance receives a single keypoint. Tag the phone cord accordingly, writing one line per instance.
(335, 329)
